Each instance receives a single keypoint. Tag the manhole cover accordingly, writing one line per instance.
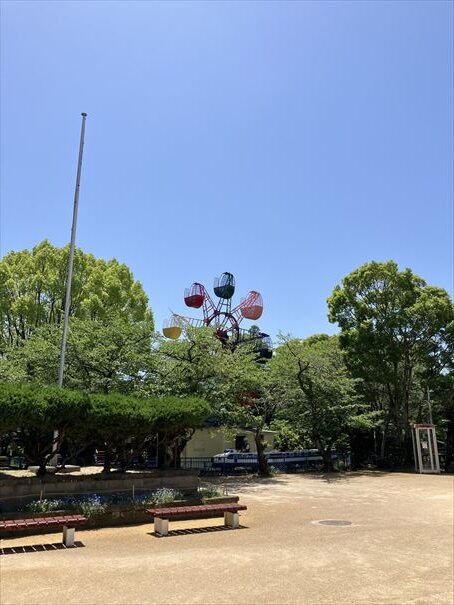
(334, 522)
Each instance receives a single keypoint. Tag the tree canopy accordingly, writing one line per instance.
(32, 290)
(394, 328)
(102, 356)
(112, 420)
(320, 396)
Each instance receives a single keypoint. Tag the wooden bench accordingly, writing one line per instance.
(161, 516)
(68, 522)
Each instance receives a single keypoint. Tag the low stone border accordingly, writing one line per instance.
(16, 492)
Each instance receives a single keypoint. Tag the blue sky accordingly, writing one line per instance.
(287, 143)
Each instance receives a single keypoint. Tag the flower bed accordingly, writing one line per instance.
(116, 509)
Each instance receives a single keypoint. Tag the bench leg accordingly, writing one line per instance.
(68, 535)
(161, 526)
(231, 520)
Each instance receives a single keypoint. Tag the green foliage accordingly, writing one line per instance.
(37, 412)
(32, 291)
(113, 419)
(93, 507)
(395, 331)
(193, 365)
(289, 436)
(45, 506)
(211, 491)
(319, 394)
(101, 356)
(166, 495)
(230, 379)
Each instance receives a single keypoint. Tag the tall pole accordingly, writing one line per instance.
(71, 255)
(429, 403)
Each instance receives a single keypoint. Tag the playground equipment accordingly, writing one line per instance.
(425, 449)
(222, 316)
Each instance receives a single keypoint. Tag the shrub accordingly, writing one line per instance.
(93, 506)
(165, 495)
(44, 506)
(212, 491)
(115, 419)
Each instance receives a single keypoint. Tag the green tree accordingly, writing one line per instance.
(319, 395)
(32, 291)
(103, 356)
(32, 413)
(229, 378)
(393, 327)
(193, 365)
(122, 424)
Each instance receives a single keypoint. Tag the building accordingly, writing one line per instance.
(211, 440)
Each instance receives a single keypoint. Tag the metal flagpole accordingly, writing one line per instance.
(71, 256)
(69, 276)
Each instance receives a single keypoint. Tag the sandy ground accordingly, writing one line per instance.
(397, 550)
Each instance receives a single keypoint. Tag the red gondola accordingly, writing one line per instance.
(194, 296)
(252, 306)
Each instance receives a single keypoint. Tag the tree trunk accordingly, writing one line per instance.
(449, 462)
(107, 459)
(328, 465)
(264, 470)
(165, 452)
(325, 453)
(42, 467)
(383, 443)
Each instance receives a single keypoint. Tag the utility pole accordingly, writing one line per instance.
(71, 256)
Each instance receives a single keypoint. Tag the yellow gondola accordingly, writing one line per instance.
(172, 328)
(172, 332)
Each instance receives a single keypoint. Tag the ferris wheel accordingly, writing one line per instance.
(221, 315)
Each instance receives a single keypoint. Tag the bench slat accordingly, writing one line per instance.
(203, 508)
(34, 522)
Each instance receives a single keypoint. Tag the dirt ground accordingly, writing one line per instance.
(398, 550)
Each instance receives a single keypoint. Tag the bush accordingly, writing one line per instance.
(93, 506)
(117, 420)
(212, 491)
(44, 506)
(165, 495)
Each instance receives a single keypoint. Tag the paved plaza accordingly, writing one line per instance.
(397, 549)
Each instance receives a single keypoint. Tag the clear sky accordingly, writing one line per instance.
(285, 142)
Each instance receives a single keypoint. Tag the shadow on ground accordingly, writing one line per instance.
(197, 530)
(15, 550)
(239, 483)
(345, 476)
